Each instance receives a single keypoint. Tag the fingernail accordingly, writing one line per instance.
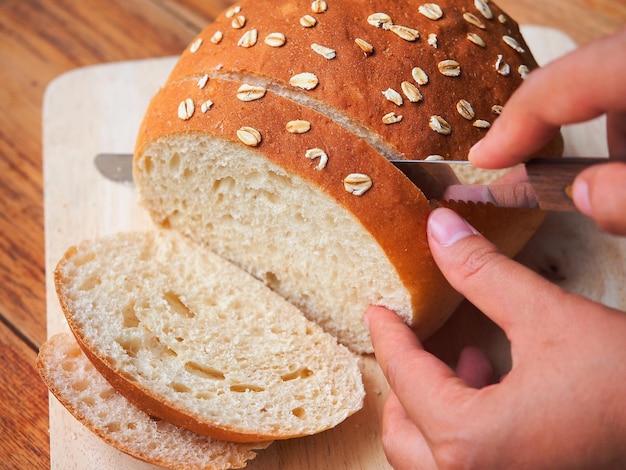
(446, 227)
(580, 194)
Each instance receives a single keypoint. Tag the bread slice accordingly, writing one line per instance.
(275, 153)
(75, 382)
(195, 341)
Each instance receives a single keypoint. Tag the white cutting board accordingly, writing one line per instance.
(98, 109)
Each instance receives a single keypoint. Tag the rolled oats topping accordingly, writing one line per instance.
(357, 183)
(431, 11)
(465, 109)
(317, 153)
(298, 126)
(250, 92)
(481, 124)
(217, 37)
(238, 22)
(186, 109)
(365, 46)
(406, 33)
(502, 67)
(319, 6)
(523, 70)
(204, 107)
(307, 21)
(420, 77)
(449, 68)
(248, 39)
(249, 136)
(275, 39)
(380, 20)
(325, 52)
(476, 39)
(203, 80)
(392, 95)
(195, 45)
(412, 93)
(473, 20)
(392, 118)
(432, 40)
(513, 44)
(233, 11)
(305, 80)
(440, 125)
(483, 8)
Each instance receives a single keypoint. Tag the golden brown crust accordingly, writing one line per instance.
(354, 81)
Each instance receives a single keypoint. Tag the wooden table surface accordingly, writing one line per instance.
(41, 39)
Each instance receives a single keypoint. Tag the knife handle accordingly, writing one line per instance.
(552, 179)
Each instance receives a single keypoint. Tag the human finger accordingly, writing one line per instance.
(600, 193)
(410, 370)
(504, 290)
(546, 101)
(403, 442)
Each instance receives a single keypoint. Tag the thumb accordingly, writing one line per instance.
(501, 288)
(600, 193)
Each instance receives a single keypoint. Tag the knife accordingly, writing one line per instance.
(545, 183)
(541, 182)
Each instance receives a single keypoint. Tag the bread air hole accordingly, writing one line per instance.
(129, 318)
(177, 305)
(179, 388)
(204, 372)
(241, 388)
(272, 281)
(298, 412)
(113, 427)
(130, 346)
(80, 385)
(298, 374)
(90, 283)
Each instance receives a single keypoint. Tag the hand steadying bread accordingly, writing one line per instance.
(269, 145)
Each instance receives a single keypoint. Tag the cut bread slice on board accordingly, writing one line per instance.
(193, 340)
(90, 398)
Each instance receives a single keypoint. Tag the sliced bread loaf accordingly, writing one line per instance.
(270, 143)
(193, 340)
(76, 383)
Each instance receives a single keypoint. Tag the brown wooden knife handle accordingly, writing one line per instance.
(552, 178)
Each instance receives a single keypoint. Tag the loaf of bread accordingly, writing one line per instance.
(271, 138)
(90, 398)
(195, 341)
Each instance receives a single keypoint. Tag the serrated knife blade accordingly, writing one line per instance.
(541, 182)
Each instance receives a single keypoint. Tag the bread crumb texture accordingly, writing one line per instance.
(208, 342)
(90, 398)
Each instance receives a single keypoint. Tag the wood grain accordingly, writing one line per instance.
(41, 39)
